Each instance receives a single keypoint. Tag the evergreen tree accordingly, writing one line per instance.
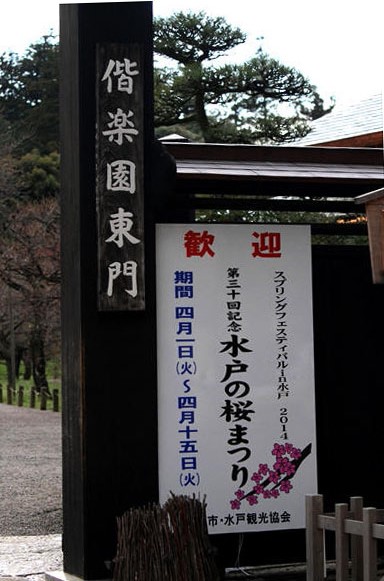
(29, 95)
(29, 211)
(260, 101)
(8, 181)
(38, 175)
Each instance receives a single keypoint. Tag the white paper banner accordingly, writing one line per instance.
(235, 372)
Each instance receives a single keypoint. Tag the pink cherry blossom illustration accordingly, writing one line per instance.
(268, 482)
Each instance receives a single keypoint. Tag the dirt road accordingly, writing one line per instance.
(30, 472)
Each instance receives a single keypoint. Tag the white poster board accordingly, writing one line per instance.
(235, 372)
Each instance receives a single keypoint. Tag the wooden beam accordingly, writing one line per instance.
(109, 359)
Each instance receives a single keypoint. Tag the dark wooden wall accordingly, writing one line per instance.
(348, 323)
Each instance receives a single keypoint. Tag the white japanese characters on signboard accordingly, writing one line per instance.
(119, 172)
(235, 372)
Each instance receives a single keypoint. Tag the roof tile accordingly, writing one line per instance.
(361, 118)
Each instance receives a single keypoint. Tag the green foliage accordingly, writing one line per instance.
(29, 94)
(260, 101)
(7, 163)
(281, 217)
(317, 108)
(39, 175)
(29, 188)
(274, 128)
(29, 122)
(53, 376)
(193, 38)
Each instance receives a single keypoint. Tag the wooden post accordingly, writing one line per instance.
(32, 397)
(314, 538)
(342, 544)
(369, 545)
(20, 398)
(1, 393)
(43, 398)
(55, 395)
(9, 395)
(109, 450)
(356, 507)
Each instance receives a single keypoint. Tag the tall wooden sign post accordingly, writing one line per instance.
(108, 291)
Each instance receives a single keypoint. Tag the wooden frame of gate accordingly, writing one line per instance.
(109, 450)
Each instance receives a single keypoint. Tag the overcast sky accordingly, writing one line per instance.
(336, 44)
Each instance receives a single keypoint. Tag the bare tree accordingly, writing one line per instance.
(30, 267)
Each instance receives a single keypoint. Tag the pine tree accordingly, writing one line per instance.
(260, 101)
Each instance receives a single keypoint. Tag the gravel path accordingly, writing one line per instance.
(30, 472)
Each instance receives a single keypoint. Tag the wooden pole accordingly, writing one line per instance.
(369, 545)
(32, 397)
(12, 339)
(109, 451)
(342, 542)
(43, 398)
(20, 396)
(55, 395)
(356, 506)
(314, 538)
